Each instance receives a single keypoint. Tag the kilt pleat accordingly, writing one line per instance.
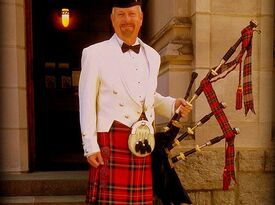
(124, 179)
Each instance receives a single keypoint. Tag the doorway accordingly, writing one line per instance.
(56, 67)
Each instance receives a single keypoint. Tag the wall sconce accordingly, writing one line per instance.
(65, 17)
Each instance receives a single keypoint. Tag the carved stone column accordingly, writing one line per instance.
(174, 44)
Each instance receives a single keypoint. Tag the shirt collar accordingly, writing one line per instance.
(120, 42)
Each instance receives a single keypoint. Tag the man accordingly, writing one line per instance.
(117, 89)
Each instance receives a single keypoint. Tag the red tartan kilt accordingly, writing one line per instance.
(124, 178)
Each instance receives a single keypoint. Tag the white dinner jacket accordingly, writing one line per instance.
(104, 95)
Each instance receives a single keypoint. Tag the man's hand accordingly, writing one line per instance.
(95, 159)
(185, 107)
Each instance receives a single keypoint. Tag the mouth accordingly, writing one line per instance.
(127, 26)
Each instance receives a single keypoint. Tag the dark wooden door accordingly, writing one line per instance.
(54, 54)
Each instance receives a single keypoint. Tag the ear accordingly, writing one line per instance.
(112, 18)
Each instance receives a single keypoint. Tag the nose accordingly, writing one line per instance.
(127, 18)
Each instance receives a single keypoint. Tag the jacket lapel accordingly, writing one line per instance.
(149, 55)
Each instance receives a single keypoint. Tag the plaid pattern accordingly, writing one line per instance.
(124, 179)
(229, 134)
(247, 82)
(247, 34)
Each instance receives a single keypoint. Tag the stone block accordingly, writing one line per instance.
(177, 29)
(18, 2)
(179, 81)
(269, 161)
(177, 48)
(8, 24)
(11, 160)
(224, 197)
(13, 116)
(249, 136)
(9, 67)
(200, 6)
(20, 26)
(266, 135)
(258, 188)
(182, 8)
(267, 7)
(21, 67)
(207, 132)
(165, 8)
(201, 39)
(248, 7)
(201, 198)
(13, 25)
(251, 160)
(266, 43)
(202, 171)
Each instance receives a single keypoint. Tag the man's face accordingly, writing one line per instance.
(127, 22)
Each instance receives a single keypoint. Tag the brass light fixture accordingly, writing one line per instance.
(65, 17)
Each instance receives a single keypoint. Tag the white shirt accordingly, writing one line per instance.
(137, 71)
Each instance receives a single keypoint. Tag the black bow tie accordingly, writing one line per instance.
(126, 47)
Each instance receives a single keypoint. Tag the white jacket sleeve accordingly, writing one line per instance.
(88, 90)
(164, 106)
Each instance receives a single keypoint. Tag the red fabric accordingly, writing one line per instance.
(124, 178)
(229, 134)
(247, 34)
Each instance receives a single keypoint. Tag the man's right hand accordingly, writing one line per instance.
(95, 159)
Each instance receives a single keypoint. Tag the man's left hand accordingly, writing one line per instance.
(185, 107)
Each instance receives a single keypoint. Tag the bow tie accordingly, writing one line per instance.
(126, 47)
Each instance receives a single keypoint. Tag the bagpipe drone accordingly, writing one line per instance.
(166, 184)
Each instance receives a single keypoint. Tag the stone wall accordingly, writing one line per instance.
(201, 175)
(205, 31)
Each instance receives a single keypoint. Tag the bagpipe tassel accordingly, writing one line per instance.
(239, 93)
(239, 98)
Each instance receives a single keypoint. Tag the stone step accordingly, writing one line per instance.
(43, 200)
(57, 183)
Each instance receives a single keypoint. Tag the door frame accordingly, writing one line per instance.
(30, 84)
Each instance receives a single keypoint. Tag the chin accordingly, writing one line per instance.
(128, 34)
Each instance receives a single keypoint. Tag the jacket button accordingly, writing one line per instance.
(126, 116)
(83, 134)
(121, 105)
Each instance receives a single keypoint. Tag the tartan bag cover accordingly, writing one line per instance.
(124, 179)
(212, 99)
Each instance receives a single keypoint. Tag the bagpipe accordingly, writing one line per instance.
(166, 184)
